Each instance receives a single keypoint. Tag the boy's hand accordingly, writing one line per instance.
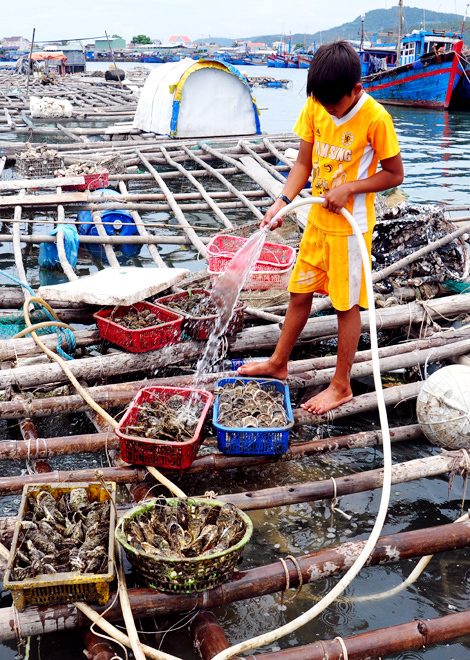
(271, 212)
(335, 199)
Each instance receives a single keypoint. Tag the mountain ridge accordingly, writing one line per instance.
(376, 21)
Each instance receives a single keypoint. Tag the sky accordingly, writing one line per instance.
(159, 19)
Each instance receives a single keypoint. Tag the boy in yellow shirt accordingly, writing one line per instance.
(344, 134)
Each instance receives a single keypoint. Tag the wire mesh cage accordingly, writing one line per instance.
(37, 168)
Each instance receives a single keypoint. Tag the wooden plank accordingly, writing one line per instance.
(269, 183)
(17, 184)
(41, 200)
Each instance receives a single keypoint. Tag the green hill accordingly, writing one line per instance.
(376, 21)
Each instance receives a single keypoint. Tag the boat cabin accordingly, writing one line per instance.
(377, 59)
(423, 42)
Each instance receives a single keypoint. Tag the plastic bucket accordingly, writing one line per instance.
(116, 223)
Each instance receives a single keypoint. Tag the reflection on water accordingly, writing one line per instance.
(435, 152)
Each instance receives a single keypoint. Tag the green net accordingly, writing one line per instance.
(14, 323)
(456, 286)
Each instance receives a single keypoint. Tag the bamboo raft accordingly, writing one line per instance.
(229, 184)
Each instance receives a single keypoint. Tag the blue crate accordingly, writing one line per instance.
(254, 442)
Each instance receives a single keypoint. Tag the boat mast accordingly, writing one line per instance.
(400, 21)
(463, 22)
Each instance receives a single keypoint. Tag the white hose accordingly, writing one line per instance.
(267, 638)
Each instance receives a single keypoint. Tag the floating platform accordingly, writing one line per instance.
(180, 194)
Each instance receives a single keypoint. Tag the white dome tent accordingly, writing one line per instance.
(204, 98)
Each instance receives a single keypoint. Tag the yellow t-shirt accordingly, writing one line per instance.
(346, 149)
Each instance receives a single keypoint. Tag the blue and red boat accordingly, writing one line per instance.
(427, 77)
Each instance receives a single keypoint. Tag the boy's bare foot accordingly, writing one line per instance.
(267, 368)
(330, 398)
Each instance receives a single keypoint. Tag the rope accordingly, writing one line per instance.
(344, 650)
(463, 469)
(62, 332)
(334, 502)
(16, 625)
(286, 571)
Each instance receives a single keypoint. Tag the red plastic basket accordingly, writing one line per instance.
(160, 453)
(221, 250)
(92, 182)
(143, 339)
(200, 327)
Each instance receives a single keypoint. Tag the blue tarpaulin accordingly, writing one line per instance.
(48, 255)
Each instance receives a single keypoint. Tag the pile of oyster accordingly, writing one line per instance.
(252, 405)
(59, 536)
(405, 228)
(182, 531)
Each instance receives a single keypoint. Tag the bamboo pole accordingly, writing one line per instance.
(17, 250)
(392, 640)
(220, 155)
(158, 261)
(116, 364)
(266, 166)
(204, 195)
(190, 233)
(217, 174)
(108, 248)
(207, 635)
(30, 62)
(251, 583)
(64, 262)
(11, 349)
(134, 640)
(107, 240)
(266, 337)
(116, 634)
(308, 492)
(121, 475)
(76, 202)
(94, 442)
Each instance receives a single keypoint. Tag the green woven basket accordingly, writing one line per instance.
(183, 575)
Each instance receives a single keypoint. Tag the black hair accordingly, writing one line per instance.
(334, 70)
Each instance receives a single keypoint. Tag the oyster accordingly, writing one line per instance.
(254, 405)
(189, 530)
(62, 535)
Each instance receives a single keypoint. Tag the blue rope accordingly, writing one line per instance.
(61, 332)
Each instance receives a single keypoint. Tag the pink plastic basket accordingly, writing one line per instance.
(274, 257)
(259, 280)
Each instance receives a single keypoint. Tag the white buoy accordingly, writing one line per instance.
(443, 407)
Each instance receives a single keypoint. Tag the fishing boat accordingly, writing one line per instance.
(270, 60)
(293, 62)
(304, 60)
(430, 69)
(377, 59)
(280, 62)
(428, 72)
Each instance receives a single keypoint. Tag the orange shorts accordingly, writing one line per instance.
(333, 265)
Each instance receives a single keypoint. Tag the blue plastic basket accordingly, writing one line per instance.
(259, 441)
